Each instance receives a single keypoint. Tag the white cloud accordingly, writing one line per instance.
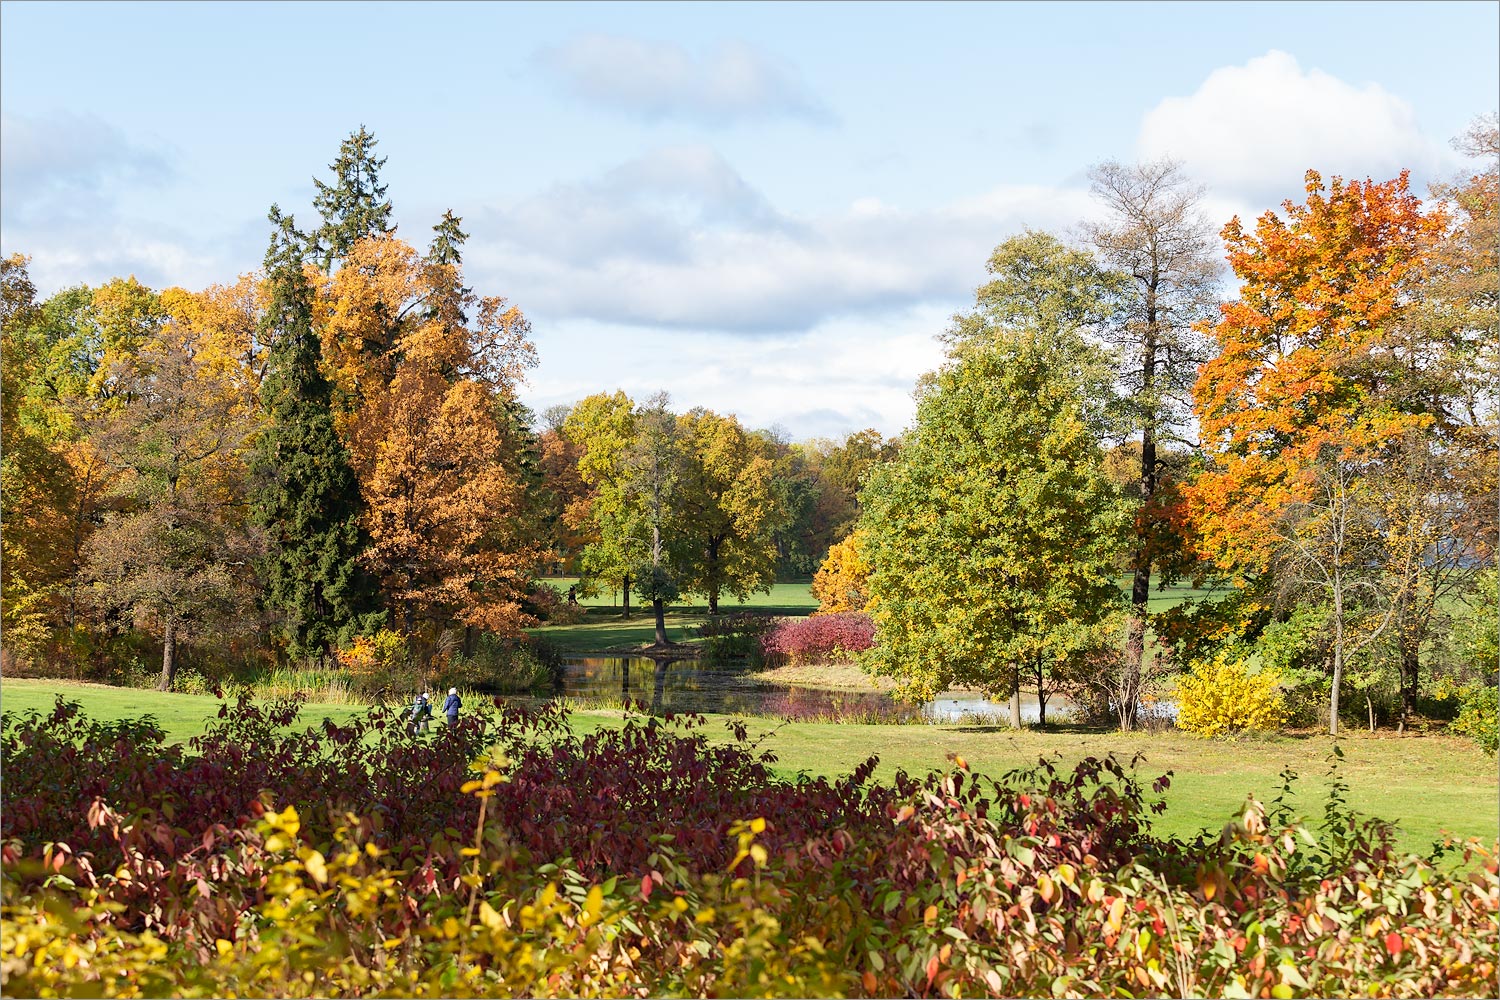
(663, 80)
(840, 376)
(677, 239)
(1252, 132)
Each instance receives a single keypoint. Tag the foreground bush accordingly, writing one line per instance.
(1041, 883)
(818, 639)
(1219, 697)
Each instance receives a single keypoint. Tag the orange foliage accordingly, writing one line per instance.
(1304, 362)
(422, 390)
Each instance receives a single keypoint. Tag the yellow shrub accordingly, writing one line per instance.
(367, 654)
(842, 583)
(1220, 696)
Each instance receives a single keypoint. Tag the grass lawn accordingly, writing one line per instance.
(1427, 784)
(604, 630)
(180, 715)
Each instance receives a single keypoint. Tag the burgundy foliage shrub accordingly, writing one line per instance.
(819, 638)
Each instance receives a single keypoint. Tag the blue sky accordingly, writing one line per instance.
(764, 209)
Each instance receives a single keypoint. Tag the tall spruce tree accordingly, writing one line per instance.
(354, 205)
(306, 496)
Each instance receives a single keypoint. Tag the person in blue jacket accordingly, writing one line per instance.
(452, 705)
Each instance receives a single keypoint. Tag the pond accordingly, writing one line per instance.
(690, 686)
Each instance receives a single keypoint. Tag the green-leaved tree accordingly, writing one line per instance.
(992, 538)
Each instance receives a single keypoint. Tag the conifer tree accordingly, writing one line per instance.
(354, 205)
(447, 241)
(307, 497)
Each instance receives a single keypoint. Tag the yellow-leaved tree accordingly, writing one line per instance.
(842, 583)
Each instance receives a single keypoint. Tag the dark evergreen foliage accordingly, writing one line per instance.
(354, 205)
(306, 496)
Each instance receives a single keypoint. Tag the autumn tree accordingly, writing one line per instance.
(1438, 483)
(993, 535)
(56, 485)
(842, 468)
(353, 205)
(1298, 404)
(306, 498)
(564, 492)
(35, 485)
(601, 428)
(1156, 238)
(842, 583)
(727, 511)
(654, 482)
(171, 560)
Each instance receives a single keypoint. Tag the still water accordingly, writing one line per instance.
(688, 686)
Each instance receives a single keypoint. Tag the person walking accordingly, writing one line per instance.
(421, 712)
(451, 706)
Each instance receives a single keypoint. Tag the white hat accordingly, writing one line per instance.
(453, 690)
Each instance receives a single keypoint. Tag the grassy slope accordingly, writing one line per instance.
(1427, 783)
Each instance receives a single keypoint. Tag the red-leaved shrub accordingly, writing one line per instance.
(819, 639)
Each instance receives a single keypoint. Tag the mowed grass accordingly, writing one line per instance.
(604, 630)
(181, 716)
(1429, 785)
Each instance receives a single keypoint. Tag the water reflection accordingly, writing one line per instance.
(686, 685)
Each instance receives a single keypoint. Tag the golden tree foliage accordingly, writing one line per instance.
(222, 321)
(444, 508)
(125, 314)
(423, 390)
(842, 583)
(34, 480)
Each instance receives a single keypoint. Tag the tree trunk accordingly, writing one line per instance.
(1338, 677)
(1015, 700)
(168, 657)
(1140, 583)
(1135, 651)
(1041, 695)
(625, 596)
(1411, 664)
(1338, 646)
(1370, 706)
(713, 576)
(658, 607)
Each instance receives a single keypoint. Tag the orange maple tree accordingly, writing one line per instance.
(1305, 355)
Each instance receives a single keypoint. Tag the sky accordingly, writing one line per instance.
(765, 209)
